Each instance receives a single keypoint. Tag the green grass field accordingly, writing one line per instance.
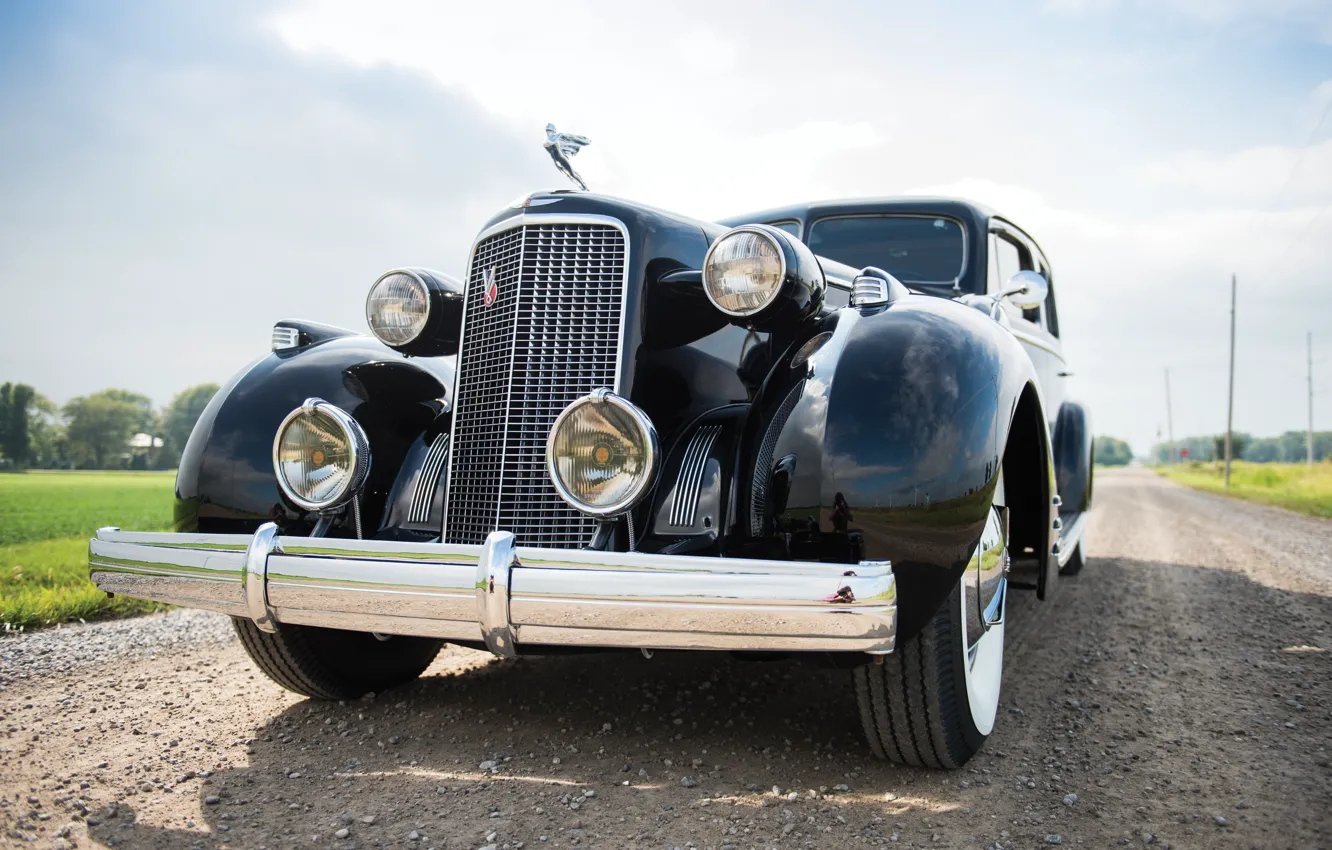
(46, 519)
(1294, 486)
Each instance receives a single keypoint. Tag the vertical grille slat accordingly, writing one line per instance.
(551, 335)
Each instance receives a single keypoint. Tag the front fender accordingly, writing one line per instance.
(226, 481)
(885, 443)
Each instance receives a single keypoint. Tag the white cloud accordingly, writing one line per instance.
(286, 162)
(1256, 176)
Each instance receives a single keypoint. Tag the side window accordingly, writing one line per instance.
(1051, 316)
(791, 227)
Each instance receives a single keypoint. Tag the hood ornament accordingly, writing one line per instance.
(562, 146)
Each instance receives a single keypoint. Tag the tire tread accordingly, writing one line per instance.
(291, 659)
(909, 704)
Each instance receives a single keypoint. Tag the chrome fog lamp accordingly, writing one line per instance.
(744, 270)
(321, 456)
(602, 454)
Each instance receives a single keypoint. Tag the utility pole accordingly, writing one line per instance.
(1170, 422)
(1230, 408)
(1308, 437)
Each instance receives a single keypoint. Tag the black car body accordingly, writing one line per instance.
(832, 475)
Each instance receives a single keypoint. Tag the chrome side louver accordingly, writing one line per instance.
(427, 482)
(684, 505)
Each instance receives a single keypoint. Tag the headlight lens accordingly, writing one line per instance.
(321, 456)
(743, 272)
(397, 308)
(602, 454)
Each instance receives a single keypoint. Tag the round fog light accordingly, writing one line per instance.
(321, 456)
(602, 454)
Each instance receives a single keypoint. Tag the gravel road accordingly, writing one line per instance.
(1178, 693)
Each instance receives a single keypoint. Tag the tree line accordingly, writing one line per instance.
(1289, 447)
(95, 431)
(1108, 451)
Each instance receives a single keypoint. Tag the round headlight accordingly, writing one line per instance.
(398, 308)
(602, 454)
(743, 271)
(321, 456)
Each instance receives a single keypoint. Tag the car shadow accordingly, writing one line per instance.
(686, 748)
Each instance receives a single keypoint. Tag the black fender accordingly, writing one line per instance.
(226, 481)
(880, 436)
(1073, 457)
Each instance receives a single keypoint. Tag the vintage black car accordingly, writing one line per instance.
(836, 430)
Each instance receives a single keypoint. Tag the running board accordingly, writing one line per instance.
(1069, 538)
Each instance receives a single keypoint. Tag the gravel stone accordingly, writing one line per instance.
(37, 654)
(1238, 594)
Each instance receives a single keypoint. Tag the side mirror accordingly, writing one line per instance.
(1026, 290)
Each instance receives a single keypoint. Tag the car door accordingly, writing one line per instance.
(1012, 250)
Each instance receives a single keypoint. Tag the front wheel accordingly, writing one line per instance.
(933, 700)
(335, 664)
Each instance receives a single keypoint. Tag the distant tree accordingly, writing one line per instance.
(1238, 442)
(178, 421)
(46, 434)
(102, 423)
(15, 405)
(1111, 452)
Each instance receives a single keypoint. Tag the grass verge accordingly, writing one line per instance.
(46, 519)
(1294, 486)
(46, 582)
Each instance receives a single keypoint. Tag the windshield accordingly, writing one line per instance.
(911, 249)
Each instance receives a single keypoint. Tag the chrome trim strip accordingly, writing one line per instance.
(522, 220)
(1072, 536)
(508, 595)
(684, 505)
(1040, 343)
(508, 389)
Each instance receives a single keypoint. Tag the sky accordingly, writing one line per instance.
(176, 177)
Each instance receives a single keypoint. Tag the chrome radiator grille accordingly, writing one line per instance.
(550, 334)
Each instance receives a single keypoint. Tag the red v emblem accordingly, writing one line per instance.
(491, 286)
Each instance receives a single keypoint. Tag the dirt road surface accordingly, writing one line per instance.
(1177, 694)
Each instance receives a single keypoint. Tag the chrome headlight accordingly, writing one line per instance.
(398, 307)
(417, 311)
(602, 454)
(744, 271)
(321, 456)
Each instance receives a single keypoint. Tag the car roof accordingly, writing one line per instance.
(959, 208)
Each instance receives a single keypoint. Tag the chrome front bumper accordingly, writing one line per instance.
(506, 595)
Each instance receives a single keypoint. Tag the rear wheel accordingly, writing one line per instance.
(932, 702)
(335, 664)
